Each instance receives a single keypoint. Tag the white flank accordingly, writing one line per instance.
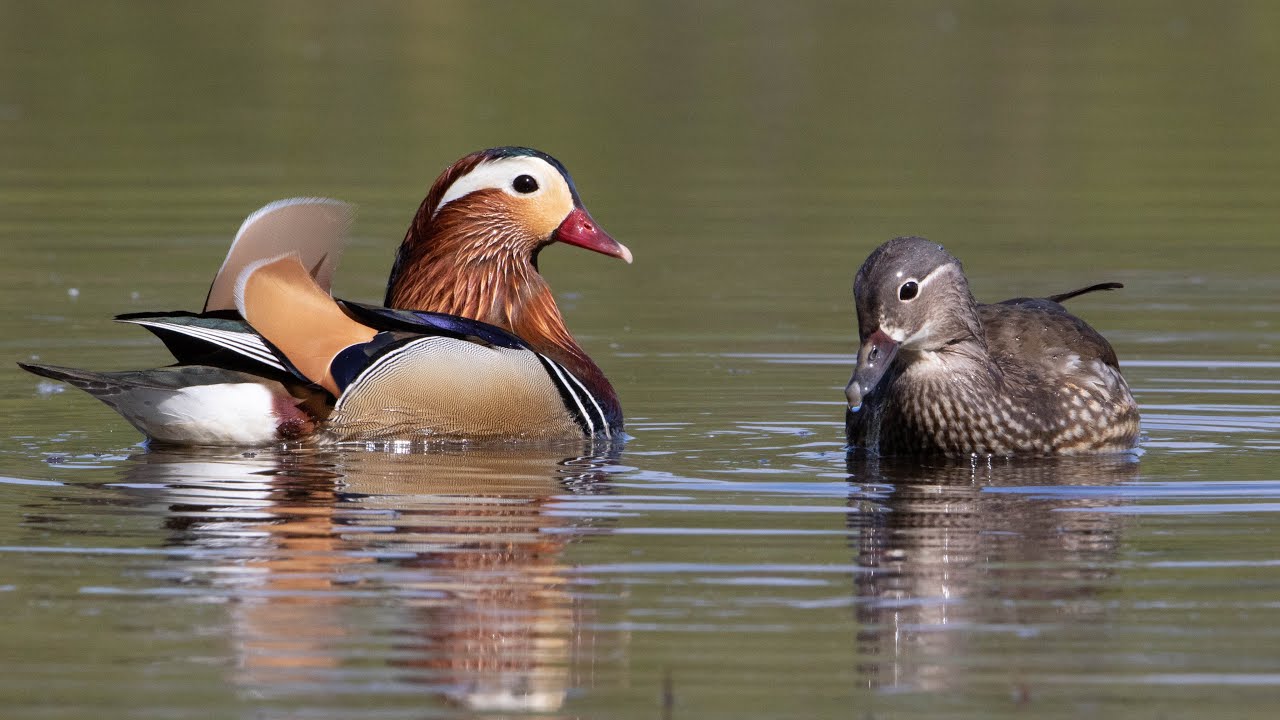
(223, 414)
(498, 174)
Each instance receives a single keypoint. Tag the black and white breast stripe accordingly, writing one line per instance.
(577, 399)
(248, 344)
(384, 364)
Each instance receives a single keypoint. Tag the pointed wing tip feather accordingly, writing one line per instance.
(34, 368)
(87, 380)
(55, 372)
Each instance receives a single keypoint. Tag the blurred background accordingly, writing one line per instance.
(751, 154)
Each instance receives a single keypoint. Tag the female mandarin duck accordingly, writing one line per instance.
(939, 373)
(470, 345)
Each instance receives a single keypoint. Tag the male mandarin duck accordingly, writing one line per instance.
(940, 373)
(470, 345)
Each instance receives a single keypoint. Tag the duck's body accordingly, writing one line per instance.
(939, 373)
(472, 349)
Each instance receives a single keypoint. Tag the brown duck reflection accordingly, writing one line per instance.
(437, 573)
(946, 550)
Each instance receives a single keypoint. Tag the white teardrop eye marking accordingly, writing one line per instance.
(521, 176)
(908, 291)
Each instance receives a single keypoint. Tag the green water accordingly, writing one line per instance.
(727, 561)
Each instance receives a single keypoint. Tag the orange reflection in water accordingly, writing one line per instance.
(444, 566)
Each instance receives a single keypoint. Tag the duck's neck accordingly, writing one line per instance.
(501, 289)
(960, 323)
(966, 354)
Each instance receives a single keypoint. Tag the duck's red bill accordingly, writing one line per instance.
(579, 229)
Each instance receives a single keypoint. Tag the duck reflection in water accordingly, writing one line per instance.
(958, 552)
(424, 574)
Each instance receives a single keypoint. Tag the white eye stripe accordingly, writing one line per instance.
(498, 174)
(924, 281)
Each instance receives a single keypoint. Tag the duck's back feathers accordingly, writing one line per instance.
(1041, 332)
(432, 323)
(1044, 328)
(219, 339)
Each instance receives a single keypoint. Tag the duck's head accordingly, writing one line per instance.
(472, 248)
(502, 202)
(525, 193)
(911, 295)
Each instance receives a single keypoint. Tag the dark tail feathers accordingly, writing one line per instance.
(1076, 293)
(90, 382)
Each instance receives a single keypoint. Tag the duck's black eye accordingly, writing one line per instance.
(524, 184)
(908, 291)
